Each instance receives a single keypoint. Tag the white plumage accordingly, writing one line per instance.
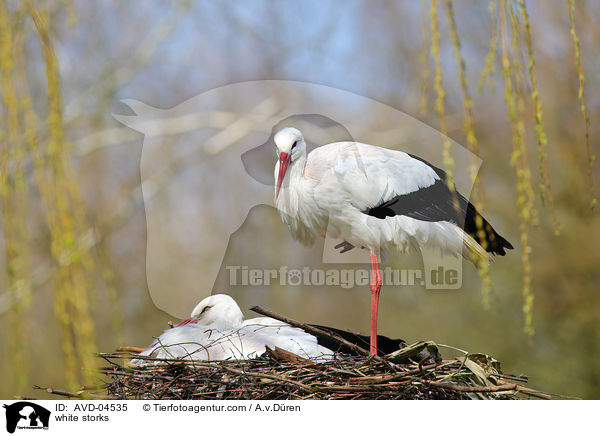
(342, 180)
(216, 330)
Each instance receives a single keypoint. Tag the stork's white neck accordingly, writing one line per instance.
(294, 178)
(297, 169)
(297, 207)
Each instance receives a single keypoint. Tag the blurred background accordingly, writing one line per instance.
(75, 185)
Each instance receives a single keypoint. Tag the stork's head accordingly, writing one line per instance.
(218, 311)
(290, 145)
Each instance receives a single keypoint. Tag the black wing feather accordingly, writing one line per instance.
(385, 345)
(436, 203)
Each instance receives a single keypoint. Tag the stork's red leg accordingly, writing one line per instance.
(375, 289)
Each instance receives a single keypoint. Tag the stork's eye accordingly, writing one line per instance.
(294, 144)
(205, 309)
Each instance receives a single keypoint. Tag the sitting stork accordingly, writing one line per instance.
(216, 330)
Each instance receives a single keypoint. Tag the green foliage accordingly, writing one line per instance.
(73, 268)
(584, 111)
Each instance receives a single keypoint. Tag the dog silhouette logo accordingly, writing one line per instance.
(26, 415)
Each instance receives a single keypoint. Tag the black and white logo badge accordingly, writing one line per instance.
(26, 415)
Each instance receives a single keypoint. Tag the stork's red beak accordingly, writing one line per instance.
(187, 321)
(284, 161)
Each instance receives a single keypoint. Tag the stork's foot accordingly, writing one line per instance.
(344, 246)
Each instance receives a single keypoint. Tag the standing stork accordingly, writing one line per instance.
(380, 199)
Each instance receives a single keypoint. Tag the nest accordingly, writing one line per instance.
(415, 371)
(273, 377)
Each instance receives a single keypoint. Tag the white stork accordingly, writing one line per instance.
(376, 198)
(216, 330)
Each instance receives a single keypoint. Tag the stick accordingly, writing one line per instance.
(383, 379)
(271, 376)
(80, 394)
(311, 329)
(498, 388)
(131, 349)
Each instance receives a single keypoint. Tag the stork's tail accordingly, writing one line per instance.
(483, 233)
(473, 251)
